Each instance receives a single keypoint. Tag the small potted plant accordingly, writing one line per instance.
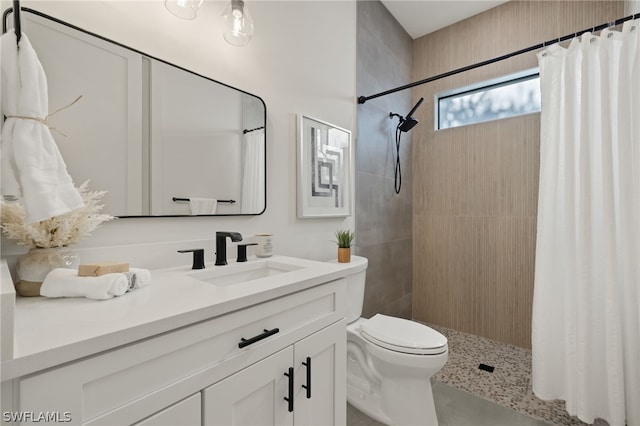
(344, 240)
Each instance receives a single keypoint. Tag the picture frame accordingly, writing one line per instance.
(324, 169)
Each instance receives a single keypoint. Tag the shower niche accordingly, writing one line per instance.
(152, 134)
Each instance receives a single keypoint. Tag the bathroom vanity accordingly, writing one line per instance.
(259, 343)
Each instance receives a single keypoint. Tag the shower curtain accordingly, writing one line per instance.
(253, 173)
(586, 323)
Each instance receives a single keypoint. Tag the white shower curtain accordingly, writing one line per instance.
(586, 323)
(253, 173)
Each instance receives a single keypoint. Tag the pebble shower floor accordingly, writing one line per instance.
(509, 385)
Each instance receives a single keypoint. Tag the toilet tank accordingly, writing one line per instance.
(355, 287)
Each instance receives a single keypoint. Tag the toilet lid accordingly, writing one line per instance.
(402, 335)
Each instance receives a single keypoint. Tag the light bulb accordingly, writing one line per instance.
(238, 25)
(184, 9)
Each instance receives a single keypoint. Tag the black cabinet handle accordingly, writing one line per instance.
(308, 385)
(246, 342)
(290, 398)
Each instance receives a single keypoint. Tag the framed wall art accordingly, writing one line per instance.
(324, 169)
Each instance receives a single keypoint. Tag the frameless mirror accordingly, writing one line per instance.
(160, 139)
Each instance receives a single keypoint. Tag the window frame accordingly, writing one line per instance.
(506, 80)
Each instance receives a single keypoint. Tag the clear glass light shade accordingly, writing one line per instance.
(184, 9)
(238, 25)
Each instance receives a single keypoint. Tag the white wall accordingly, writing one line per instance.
(301, 60)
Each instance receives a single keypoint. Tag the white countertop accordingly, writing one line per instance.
(49, 332)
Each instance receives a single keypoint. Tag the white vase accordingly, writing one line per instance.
(34, 266)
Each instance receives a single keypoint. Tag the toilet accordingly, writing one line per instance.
(390, 361)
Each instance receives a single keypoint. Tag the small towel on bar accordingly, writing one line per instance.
(63, 282)
(137, 278)
(203, 205)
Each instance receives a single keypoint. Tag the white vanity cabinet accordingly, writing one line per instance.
(299, 385)
(321, 389)
(184, 413)
(198, 374)
(253, 396)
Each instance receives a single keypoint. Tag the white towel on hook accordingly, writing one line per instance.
(64, 282)
(32, 166)
(203, 205)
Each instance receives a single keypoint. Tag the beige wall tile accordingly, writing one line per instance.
(475, 188)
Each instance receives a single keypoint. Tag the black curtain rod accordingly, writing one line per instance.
(363, 99)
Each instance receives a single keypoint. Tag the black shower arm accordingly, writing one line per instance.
(415, 107)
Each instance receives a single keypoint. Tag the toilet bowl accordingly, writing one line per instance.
(390, 362)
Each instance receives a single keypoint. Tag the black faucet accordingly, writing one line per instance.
(221, 245)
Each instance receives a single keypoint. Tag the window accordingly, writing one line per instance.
(508, 96)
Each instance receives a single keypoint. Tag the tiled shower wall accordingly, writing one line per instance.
(475, 201)
(383, 218)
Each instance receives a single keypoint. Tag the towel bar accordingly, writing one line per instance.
(177, 199)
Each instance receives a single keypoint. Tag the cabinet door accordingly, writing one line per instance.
(253, 396)
(320, 384)
(185, 413)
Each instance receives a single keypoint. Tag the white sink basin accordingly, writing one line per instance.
(237, 273)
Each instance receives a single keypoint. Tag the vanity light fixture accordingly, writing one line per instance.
(184, 9)
(238, 25)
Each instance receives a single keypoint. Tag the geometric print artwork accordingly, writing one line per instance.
(324, 169)
(325, 164)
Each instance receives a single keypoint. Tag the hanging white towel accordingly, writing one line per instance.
(203, 205)
(64, 282)
(32, 166)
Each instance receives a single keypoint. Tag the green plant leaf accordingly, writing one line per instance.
(344, 238)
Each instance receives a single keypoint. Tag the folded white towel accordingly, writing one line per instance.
(63, 282)
(203, 205)
(138, 278)
(32, 166)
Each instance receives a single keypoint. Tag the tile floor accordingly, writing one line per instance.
(510, 383)
(456, 407)
(467, 395)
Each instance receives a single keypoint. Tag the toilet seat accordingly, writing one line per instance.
(401, 335)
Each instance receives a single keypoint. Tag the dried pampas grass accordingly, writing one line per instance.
(58, 231)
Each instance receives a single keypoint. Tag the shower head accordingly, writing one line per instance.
(408, 123)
